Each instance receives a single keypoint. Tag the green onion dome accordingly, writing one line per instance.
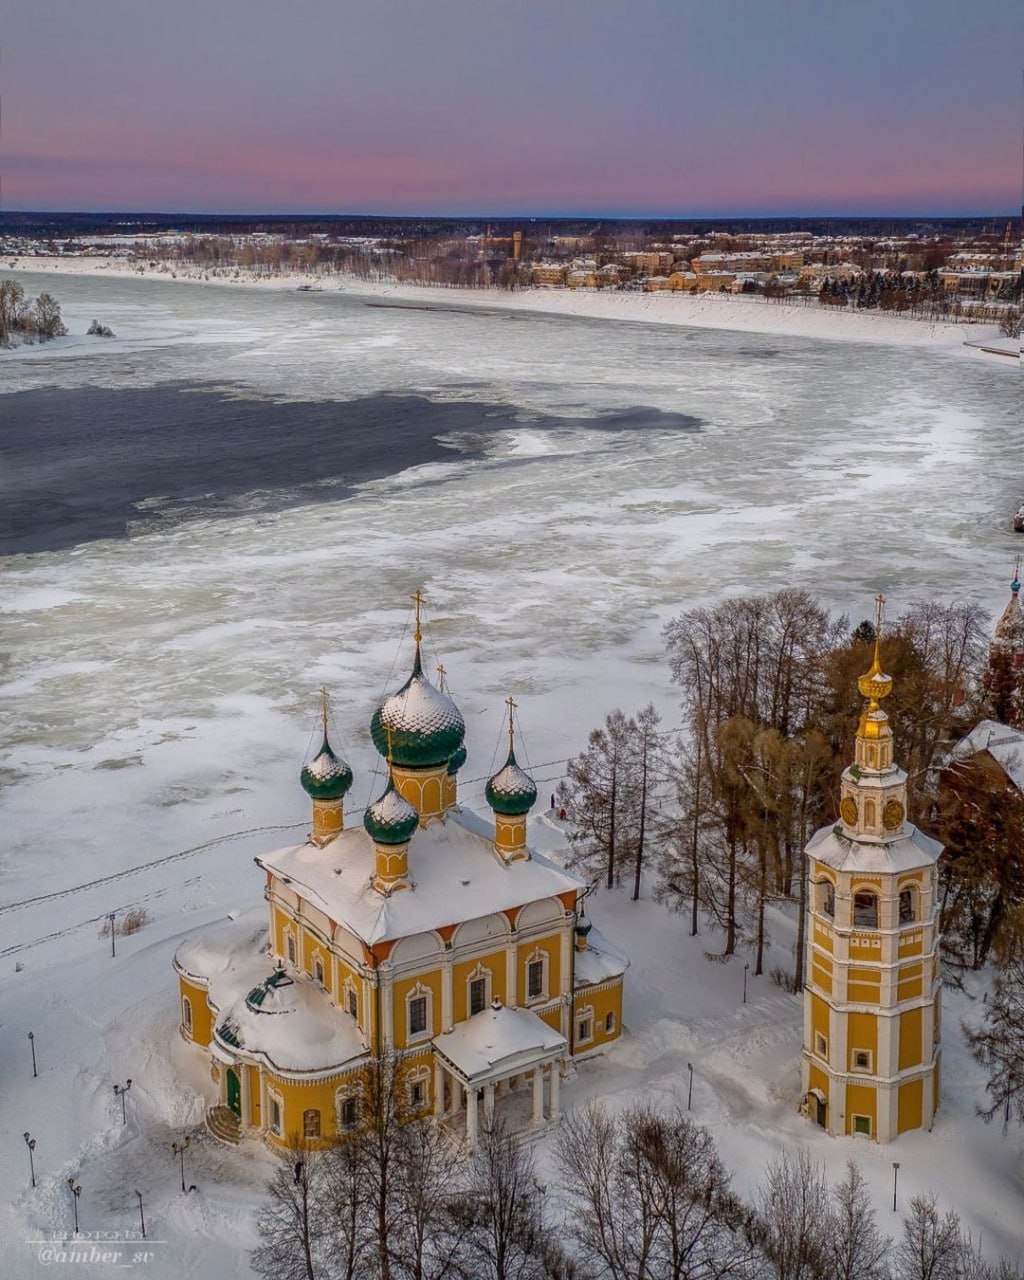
(511, 791)
(327, 776)
(391, 819)
(583, 926)
(456, 762)
(419, 725)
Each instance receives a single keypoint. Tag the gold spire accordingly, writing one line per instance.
(419, 601)
(511, 704)
(325, 703)
(874, 684)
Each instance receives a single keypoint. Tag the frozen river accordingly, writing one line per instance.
(229, 504)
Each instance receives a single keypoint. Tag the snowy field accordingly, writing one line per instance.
(158, 692)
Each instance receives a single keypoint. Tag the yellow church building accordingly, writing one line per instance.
(872, 1005)
(426, 934)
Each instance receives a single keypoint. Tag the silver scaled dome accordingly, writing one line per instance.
(419, 726)
(327, 776)
(511, 791)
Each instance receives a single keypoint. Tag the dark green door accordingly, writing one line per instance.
(234, 1093)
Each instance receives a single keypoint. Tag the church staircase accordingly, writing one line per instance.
(224, 1125)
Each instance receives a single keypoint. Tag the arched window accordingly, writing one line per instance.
(478, 990)
(827, 898)
(318, 970)
(419, 1013)
(186, 1014)
(869, 813)
(289, 945)
(609, 1024)
(865, 909)
(348, 1112)
(311, 1123)
(276, 1115)
(908, 905)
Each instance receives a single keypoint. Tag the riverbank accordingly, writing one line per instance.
(738, 313)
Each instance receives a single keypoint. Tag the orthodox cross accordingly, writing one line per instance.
(442, 671)
(419, 601)
(879, 606)
(1016, 569)
(511, 704)
(325, 703)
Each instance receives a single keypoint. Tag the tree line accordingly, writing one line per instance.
(38, 319)
(633, 1195)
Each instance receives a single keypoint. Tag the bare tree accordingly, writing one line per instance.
(294, 1223)
(795, 1212)
(930, 1248)
(599, 797)
(855, 1248)
(997, 1044)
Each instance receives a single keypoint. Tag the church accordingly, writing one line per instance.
(872, 1001)
(426, 934)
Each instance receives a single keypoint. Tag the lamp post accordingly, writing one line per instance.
(32, 1042)
(111, 917)
(746, 970)
(30, 1142)
(142, 1217)
(689, 1091)
(179, 1149)
(895, 1175)
(76, 1191)
(119, 1092)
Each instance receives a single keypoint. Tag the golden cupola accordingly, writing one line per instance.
(874, 787)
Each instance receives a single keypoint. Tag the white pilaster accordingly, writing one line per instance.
(243, 1079)
(446, 992)
(471, 1119)
(553, 1112)
(488, 1105)
(438, 1090)
(538, 1097)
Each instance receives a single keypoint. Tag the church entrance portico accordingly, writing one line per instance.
(507, 1059)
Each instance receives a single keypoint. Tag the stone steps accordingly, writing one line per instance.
(224, 1125)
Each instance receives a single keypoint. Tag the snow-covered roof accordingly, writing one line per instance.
(911, 850)
(290, 1024)
(223, 946)
(497, 1043)
(454, 871)
(1004, 745)
(598, 962)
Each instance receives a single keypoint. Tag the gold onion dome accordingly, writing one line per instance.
(874, 684)
(391, 819)
(424, 726)
(511, 791)
(327, 776)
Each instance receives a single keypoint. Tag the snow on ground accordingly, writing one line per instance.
(158, 691)
(704, 311)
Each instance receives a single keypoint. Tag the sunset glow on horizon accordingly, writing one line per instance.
(655, 109)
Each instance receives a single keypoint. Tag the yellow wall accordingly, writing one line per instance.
(910, 1039)
(601, 1003)
(495, 962)
(862, 1033)
(819, 1020)
(821, 972)
(910, 982)
(864, 986)
(911, 1106)
(254, 1094)
(202, 1018)
(401, 989)
(861, 1100)
(525, 952)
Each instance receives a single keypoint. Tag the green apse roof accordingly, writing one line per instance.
(391, 819)
(511, 791)
(327, 776)
(419, 726)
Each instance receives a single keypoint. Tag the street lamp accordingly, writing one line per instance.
(30, 1142)
(746, 970)
(119, 1092)
(142, 1218)
(895, 1174)
(689, 1092)
(76, 1191)
(32, 1042)
(179, 1149)
(111, 919)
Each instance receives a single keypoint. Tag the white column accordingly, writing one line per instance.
(556, 1071)
(488, 1105)
(538, 1097)
(446, 992)
(438, 1090)
(471, 1119)
(511, 975)
(263, 1101)
(386, 1031)
(243, 1079)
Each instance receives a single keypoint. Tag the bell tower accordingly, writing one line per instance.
(871, 1052)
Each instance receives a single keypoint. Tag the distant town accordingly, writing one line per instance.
(970, 269)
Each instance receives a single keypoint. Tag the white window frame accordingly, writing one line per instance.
(308, 1111)
(419, 1080)
(351, 994)
(291, 946)
(915, 896)
(419, 991)
(866, 1067)
(541, 956)
(318, 961)
(821, 1045)
(609, 1024)
(479, 974)
(861, 1133)
(275, 1099)
(186, 1014)
(585, 1016)
(346, 1096)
